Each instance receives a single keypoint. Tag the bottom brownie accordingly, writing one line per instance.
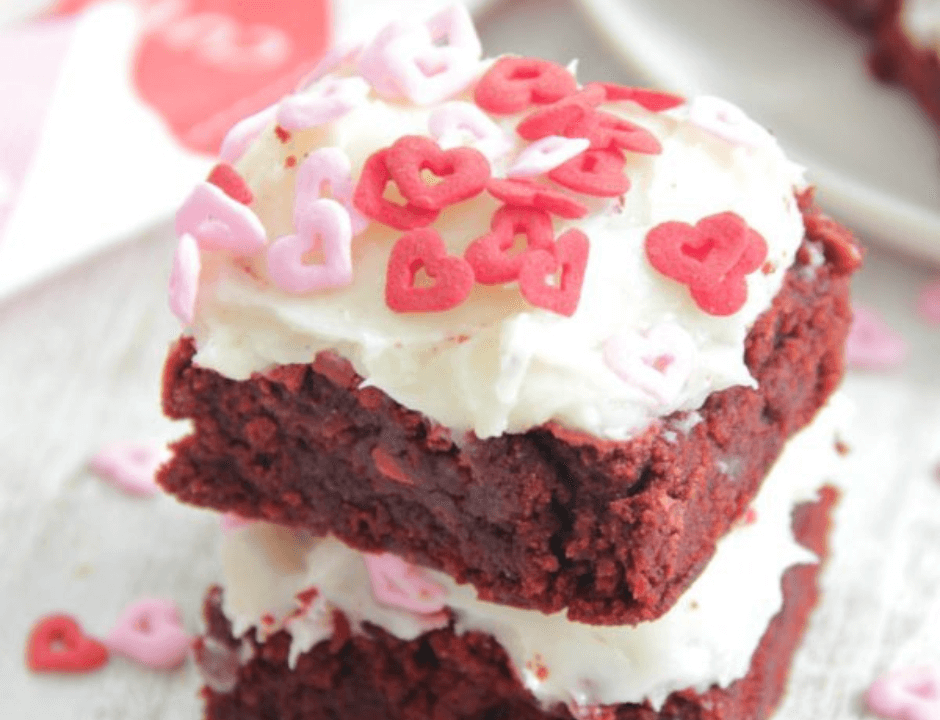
(441, 675)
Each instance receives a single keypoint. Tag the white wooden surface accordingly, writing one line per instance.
(80, 358)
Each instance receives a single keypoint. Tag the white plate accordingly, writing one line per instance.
(794, 68)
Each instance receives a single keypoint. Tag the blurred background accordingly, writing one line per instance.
(110, 110)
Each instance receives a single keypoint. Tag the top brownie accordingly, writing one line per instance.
(545, 337)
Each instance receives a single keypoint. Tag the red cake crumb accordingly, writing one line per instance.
(446, 676)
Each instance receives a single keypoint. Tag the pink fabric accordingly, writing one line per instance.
(30, 61)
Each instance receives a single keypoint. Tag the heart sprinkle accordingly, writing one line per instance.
(907, 694)
(453, 276)
(324, 225)
(462, 172)
(462, 123)
(244, 133)
(131, 466)
(514, 84)
(576, 118)
(547, 154)
(712, 258)
(184, 279)
(227, 179)
(327, 166)
(594, 172)
(325, 101)
(426, 63)
(523, 192)
(872, 343)
(218, 222)
(490, 256)
(150, 631)
(569, 260)
(400, 584)
(368, 199)
(727, 121)
(652, 100)
(658, 362)
(57, 643)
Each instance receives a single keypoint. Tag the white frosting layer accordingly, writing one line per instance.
(707, 638)
(921, 21)
(496, 364)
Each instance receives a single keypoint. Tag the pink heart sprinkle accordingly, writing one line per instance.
(547, 154)
(455, 25)
(220, 223)
(343, 52)
(237, 141)
(150, 631)
(131, 466)
(658, 362)
(406, 60)
(184, 279)
(428, 74)
(872, 344)
(325, 101)
(727, 121)
(371, 64)
(458, 123)
(928, 304)
(329, 166)
(400, 584)
(323, 225)
(908, 694)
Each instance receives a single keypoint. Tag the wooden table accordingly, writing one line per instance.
(80, 365)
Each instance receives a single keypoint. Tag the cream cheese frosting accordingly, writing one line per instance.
(496, 364)
(707, 638)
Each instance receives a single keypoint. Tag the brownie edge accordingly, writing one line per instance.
(548, 519)
(445, 676)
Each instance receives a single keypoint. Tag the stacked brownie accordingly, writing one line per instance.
(514, 382)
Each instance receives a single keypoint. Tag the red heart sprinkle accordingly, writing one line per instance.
(529, 193)
(227, 179)
(514, 83)
(369, 201)
(58, 644)
(556, 119)
(652, 100)
(462, 172)
(424, 249)
(594, 172)
(712, 258)
(569, 259)
(574, 117)
(490, 255)
(605, 130)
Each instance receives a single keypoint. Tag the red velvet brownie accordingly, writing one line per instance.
(557, 369)
(358, 657)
